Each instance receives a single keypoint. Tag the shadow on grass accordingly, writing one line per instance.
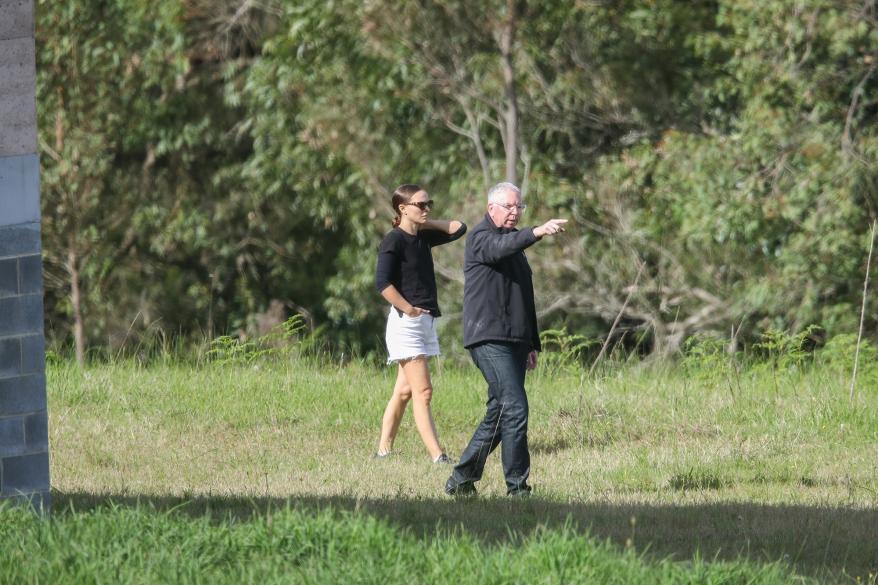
(815, 540)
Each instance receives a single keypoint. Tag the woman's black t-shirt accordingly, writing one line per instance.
(406, 262)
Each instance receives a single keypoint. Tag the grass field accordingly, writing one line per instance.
(641, 471)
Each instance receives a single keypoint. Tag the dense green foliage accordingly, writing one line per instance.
(206, 161)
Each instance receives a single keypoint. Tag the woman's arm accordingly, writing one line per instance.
(392, 296)
(438, 233)
(443, 225)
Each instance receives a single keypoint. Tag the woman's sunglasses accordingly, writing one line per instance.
(423, 205)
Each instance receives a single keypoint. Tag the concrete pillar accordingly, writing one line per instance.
(24, 435)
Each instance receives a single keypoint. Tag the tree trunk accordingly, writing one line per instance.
(510, 101)
(72, 256)
(59, 125)
(76, 303)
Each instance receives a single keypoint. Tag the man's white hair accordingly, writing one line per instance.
(495, 192)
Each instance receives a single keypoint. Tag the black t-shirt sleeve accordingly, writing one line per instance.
(389, 260)
(437, 238)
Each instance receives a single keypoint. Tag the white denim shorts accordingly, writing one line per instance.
(409, 337)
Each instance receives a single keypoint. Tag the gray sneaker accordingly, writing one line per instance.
(444, 459)
(380, 455)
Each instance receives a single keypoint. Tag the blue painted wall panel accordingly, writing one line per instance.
(19, 189)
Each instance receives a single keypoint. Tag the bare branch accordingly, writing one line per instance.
(452, 274)
(616, 321)
(846, 142)
(476, 137)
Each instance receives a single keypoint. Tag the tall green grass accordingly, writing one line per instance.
(137, 545)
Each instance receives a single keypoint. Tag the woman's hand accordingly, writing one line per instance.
(392, 296)
(416, 312)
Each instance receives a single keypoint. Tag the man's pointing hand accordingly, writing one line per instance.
(550, 228)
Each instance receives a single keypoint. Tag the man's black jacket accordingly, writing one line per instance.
(498, 293)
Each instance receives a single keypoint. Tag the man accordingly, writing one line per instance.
(500, 332)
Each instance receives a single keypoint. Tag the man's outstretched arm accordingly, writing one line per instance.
(490, 247)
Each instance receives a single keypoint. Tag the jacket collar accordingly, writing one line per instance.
(493, 227)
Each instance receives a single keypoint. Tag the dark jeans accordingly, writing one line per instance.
(503, 365)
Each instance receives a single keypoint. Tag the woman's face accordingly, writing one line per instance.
(417, 209)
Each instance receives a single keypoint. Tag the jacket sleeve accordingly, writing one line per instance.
(535, 343)
(490, 247)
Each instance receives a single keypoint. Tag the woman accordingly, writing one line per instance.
(404, 277)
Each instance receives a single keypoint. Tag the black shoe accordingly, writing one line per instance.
(467, 488)
(521, 492)
(444, 459)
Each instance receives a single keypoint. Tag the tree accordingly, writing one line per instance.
(756, 219)
(102, 68)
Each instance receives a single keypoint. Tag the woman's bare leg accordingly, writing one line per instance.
(417, 375)
(402, 393)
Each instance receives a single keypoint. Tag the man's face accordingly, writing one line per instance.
(507, 212)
